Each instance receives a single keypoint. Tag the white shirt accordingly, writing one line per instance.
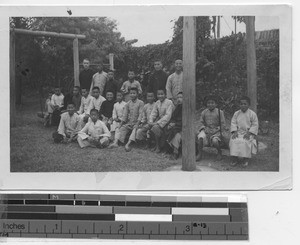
(85, 105)
(57, 100)
(96, 103)
(118, 110)
(99, 80)
(97, 129)
(68, 124)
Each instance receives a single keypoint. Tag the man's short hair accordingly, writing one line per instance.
(71, 103)
(161, 89)
(179, 93)
(110, 91)
(77, 87)
(96, 88)
(111, 71)
(94, 110)
(131, 70)
(86, 59)
(244, 97)
(150, 92)
(211, 97)
(135, 89)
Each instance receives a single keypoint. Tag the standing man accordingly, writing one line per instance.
(157, 79)
(174, 82)
(86, 75)
(99, 79)
(111, 84)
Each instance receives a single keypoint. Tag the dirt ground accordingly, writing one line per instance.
(33, 150)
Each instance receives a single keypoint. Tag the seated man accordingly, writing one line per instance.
(210, 131)
(85, 105)
(159, 118)
(132, 111)
(94, 133)
(69, 126)
(144, 127)
(244, 128)
(57, 103)
(106, 109)
(117, 115)
(174, 128)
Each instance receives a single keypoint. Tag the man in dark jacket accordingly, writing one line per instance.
(174, 128)
(158, 78)
(86, 75)
(111, 84)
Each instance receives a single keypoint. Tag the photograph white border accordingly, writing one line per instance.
(281, 180)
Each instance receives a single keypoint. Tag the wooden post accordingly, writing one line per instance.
(218, 27)
(12, 70)
(189, 94)
(76, 62)
(111, 61)
(251, 62)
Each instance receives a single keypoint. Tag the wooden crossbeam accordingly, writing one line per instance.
(48, 34)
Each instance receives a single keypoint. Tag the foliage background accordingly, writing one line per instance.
(43, 62)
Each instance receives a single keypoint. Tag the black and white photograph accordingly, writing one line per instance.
(178, 93)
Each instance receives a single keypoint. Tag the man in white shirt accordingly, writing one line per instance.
(99, 79)
(174, 82)
(96, 100)
(57, 102)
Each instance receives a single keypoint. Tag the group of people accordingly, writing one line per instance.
(99, 114)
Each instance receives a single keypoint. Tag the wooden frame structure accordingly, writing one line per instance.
(189, 82)
(13, 33)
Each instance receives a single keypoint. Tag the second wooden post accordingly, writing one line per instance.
(189, 94)
(76, 62)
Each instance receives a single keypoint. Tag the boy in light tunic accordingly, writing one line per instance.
(57, 103)
(99, 80)
(131, 83)
(132, 110)
(142, 131)
(244, 129)
(97, 100)
(83, 111)
(174, 82)
(209, 133)
(174, 128)
(159, 118)
(117, 116)
(69, 126)
(95, 133)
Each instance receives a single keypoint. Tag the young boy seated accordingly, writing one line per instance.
(83, 112)
(174, 128)
(129, 124)
(244, 128)
(97, 99)
(106, 109)
(69, 126)
(47, 115)
(94, 133)
(117, 115)
(159, 118)
(73, 96)
(144, 127)
(130, 84)
(209, 134)
(57, 103)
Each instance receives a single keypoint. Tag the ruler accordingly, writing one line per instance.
(123, 217)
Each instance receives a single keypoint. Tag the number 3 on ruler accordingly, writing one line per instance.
(187, 228)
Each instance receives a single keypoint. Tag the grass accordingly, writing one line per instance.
(33, 150)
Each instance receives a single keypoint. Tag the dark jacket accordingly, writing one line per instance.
(85, 78)
(157, 80)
